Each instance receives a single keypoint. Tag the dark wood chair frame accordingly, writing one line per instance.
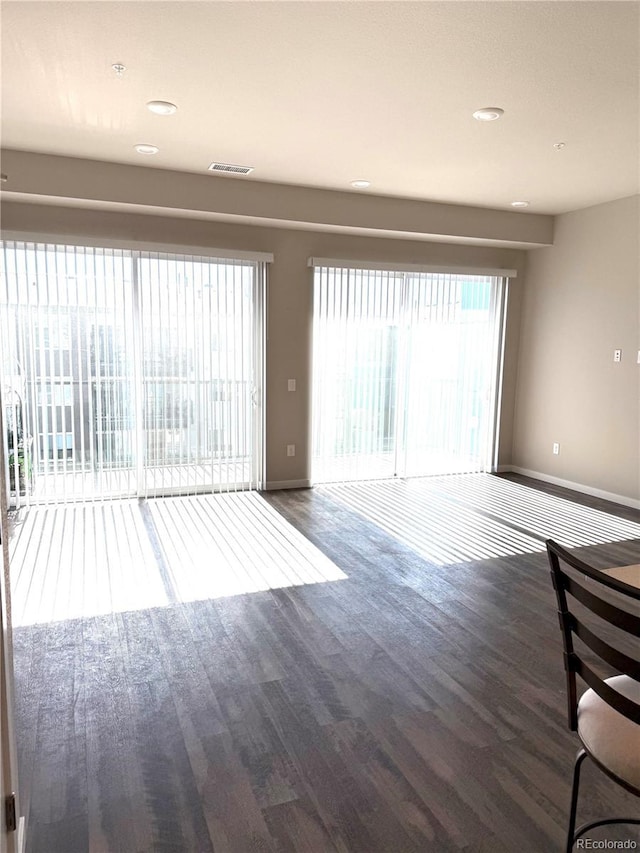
(572, 584)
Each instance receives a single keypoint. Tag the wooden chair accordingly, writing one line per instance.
(607, 715)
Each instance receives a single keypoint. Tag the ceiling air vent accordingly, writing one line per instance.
(230, 169)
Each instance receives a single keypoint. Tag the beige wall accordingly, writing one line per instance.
(581, 302)
(289, 304)
(82, 183)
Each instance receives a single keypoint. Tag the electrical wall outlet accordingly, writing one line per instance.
(617, 355)
(556, 448)
(291, 450)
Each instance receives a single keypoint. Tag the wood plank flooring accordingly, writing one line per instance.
(411, 706)
(80, 560)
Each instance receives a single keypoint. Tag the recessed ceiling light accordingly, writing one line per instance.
(488, 113)
(519, 204)
(147, 149)
(361, 184)
(162, 108)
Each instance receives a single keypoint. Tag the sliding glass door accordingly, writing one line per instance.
(405, 373)
(449, 374)
(129, 373)
(356, 337)
(199, 374)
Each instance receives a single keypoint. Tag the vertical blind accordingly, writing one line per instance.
(128, 373)
(404, 372)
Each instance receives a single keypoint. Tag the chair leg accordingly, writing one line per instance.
(580, 757)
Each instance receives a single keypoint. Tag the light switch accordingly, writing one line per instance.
(291, 385)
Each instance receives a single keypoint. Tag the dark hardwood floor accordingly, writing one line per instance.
(409, 707)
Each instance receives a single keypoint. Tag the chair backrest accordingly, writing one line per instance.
(613, 601)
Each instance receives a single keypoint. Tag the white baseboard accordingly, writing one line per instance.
(569, 484)
(273, 485)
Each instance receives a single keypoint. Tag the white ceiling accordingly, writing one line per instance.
(321, 93)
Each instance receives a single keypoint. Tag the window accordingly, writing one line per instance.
(55, 394)
(404, 372)
(134, 361)
(55, 445)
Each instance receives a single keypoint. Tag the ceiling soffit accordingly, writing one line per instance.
(37, 178)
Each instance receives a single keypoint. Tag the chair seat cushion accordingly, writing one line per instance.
(611, 738)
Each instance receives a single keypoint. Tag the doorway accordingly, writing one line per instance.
(406, 373)
(129, 373)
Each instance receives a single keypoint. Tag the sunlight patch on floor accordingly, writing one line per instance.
(231, 544)
(544, 516)
(458, 518)
(79, 561)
